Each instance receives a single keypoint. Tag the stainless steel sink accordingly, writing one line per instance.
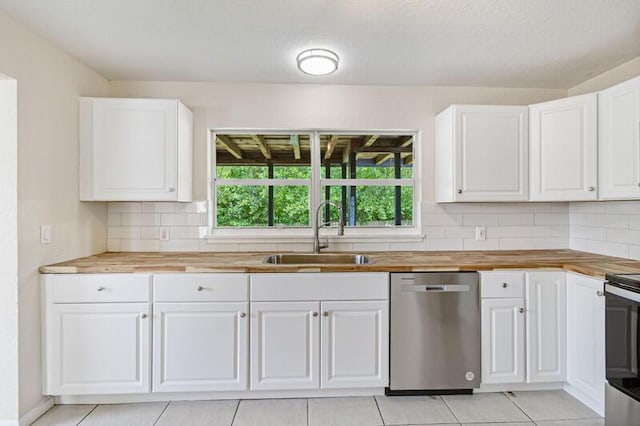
(315, 259)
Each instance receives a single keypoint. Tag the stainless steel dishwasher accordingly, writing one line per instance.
(435, 333)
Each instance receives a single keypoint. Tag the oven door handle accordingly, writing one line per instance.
(626, 294)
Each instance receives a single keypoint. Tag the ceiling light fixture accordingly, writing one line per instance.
(317, 61)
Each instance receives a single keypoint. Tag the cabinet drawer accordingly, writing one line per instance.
(200, 287)
(99, 288)
(320, 286)
(501, 284)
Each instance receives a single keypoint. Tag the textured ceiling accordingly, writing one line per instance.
(509, 43)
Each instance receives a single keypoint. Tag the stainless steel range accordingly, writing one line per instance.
(622, 400)
(435, 333)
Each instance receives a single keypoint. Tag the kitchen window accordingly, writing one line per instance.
(269, 183)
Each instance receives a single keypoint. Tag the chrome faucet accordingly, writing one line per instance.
(316, 227)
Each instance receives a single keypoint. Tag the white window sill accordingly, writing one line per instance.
(292, 238)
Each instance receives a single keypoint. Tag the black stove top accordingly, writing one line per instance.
(626, 281)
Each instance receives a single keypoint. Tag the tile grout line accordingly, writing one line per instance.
(307, 411)
(513, 402)
(379, 411)
(163, 410)
(87, 415)
(450, 410)
(235, 413)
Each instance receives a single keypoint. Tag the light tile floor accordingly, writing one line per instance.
(548, 408)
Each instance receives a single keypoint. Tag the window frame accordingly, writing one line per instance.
(316, 184)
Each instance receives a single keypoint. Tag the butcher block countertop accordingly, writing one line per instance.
(157, 262)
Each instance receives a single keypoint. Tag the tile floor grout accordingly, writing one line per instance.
(82, 419)
(506, 394)
(571, 413)
(162, 412)
(450, 410)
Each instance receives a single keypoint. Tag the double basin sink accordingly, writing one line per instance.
(317, 259)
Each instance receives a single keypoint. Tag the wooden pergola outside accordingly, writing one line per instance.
(345, 151)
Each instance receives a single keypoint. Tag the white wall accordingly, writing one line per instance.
(9, 250)
(614, 76)
(49, 84)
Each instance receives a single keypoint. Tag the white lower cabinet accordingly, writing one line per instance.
(355, 341)
(523, 327)
(96, 334)
(586, 340)
(546, 326)
(201, 332)
(503, 358)
(284, 345)
(200, 346)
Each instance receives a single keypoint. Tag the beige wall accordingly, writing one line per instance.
(49, 84)
(615, 75)
(320, 106)
(9, 250)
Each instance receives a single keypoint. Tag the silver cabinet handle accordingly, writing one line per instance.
(325, 313)
(600, 293)
(315, 314)
(143, 315)
(101, 288)
(200, 288)
(591, 189)
(521, 310)
(504, 285)
(242, 315)
(459, 191)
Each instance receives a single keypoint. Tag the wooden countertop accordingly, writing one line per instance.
(155, 262)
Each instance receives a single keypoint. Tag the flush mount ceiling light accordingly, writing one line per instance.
(317, 61)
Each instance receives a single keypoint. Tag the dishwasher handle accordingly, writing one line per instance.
(436, 288)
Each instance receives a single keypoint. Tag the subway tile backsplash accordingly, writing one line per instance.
(606, 227)
(136, 227)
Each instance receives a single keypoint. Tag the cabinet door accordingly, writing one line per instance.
(546, 326)
(355, 344)
(200, 346)
(564, 149)
(133, 145)
(585, 340)
(284, 345)
(503, 341)
(620, 141)
(491, 153)
(98, 348)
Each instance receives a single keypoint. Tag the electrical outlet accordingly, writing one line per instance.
(481, 233)
(45, 234)
(164, 233)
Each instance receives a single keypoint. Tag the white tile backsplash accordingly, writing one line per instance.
(606, 227)
(611, 227)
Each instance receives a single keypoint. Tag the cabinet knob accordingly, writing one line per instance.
(172, 190)
(459, 191)
(504, 285)
(325, 313)
(600, 293)
(242, 315)
(315, 314)
(521, 310)
(591, 189)
(101, 288)
(200, 288)
(143, 315)
(638, 184)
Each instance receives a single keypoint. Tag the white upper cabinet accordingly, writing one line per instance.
(563, 142)
(619, 109)
(135, 150)
(482, 153)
